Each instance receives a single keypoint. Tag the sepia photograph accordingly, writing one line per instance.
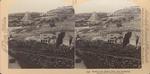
(42, 40)
(99, 34)
(109, 38)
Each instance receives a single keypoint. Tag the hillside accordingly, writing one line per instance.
(134, 10)
(86, 16)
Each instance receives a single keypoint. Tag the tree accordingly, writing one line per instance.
(59, 40)
(126, 38)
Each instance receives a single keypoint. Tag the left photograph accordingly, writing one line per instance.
(41, 38)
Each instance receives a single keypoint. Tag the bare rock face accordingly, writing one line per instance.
(135, 10)
(62, 12)
(127, 17)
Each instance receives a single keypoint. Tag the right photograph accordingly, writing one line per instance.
(108, 36)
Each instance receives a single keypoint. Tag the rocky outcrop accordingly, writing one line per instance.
(135, 10)
(62, 12)
(127, 17)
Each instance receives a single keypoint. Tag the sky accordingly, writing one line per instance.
(87, 6)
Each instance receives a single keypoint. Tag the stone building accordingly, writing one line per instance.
(48, 38)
